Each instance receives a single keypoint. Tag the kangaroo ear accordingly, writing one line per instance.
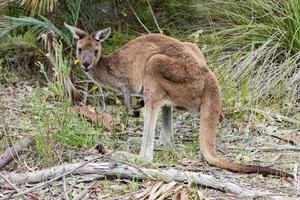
(77, 33)
(102, 34)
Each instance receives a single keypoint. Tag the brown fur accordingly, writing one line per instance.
(167, 73)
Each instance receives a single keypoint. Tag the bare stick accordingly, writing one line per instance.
(65, 188)
(270, 149)
(61, 172)
(8, 155)
(15, 187)
(278, 134)
(82, 194)
(137, 17)
(132, 165)
(10, 183)
(154, 18)
(126, 196)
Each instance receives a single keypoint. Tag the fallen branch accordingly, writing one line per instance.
(120, 170)
(269, 149)
(16, 188)
(9, 154)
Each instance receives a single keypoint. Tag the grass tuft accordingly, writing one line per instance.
(254, 47)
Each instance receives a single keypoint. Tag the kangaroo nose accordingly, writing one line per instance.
(86, 64)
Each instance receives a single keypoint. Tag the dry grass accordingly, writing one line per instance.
(237, 131)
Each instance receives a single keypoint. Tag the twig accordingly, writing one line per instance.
(55, 178)
(84, 192)
(86, 94)
(5, 3)
(275, 115)
(126, 196)
(9, 183)
(266, 114)
(135, 166)
(283, 139)
(273, 132)
(65, 188)
(137, 17)
(116, 156)
(9, 154)
(295, 170)
(68, 189)
(154, 18)
(270, 149)
(15, 187)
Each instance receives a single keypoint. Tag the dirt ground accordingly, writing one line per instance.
(246, 137)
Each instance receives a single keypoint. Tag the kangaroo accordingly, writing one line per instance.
(168, 73)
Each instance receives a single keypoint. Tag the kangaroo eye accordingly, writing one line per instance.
(79, 50)
(96, 52)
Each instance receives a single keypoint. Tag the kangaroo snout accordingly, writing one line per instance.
(86, 66)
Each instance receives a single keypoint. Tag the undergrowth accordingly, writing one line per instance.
(253, 47)
(58, 123)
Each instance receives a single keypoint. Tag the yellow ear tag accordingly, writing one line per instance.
(76, 61)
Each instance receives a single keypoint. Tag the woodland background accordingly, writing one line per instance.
(252, 46)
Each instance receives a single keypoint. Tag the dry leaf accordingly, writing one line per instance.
(166, 190)
(145, 193)
(108, 121)
(92, 115)
(186, 162)
(181, 195)
(156, 191)
(88, 112)
(99, 149)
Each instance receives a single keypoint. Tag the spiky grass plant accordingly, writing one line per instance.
(38, 6)
(37, 26)
(254, 46)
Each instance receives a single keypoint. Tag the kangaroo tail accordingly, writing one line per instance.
(210, 111)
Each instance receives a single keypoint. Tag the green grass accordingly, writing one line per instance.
(253, 46)
(115, 41)
(59, 125)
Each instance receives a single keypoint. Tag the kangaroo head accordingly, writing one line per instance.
(88, 46)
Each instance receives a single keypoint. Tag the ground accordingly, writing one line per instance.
(64, 136)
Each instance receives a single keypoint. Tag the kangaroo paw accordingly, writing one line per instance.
(134, 113)
(139, 104)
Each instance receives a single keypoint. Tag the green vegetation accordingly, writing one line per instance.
(253, 46)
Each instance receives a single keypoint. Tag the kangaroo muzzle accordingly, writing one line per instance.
(86, 66)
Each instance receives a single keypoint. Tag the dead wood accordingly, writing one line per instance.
(275, 132)
(84, 193)
(9, 154)
(120, 170)
(270, 149)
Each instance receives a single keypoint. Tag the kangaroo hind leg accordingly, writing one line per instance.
(150, 117)
(166, 137)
